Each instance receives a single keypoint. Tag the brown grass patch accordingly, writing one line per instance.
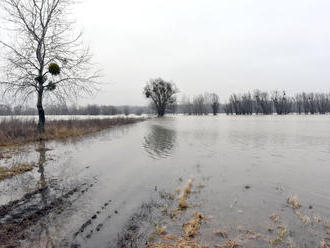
(228, 244)
(275, 217)
(190, 229)
(15, 132)
(323, 243)
(179, 243)
(304, 218)
(182, 200)
(222, 233)
(293, 201)
(16, 169)
(184, 195)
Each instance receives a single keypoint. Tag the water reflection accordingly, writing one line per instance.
(45, 238)
(42, 159)
(159, 142)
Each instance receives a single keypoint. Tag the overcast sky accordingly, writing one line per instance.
(221, 46)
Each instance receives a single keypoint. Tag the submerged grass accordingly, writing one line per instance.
(15, 170)
(293, 201)
(179, 243)
(189, 229)
(16, 132)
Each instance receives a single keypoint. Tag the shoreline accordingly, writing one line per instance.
(15, 132)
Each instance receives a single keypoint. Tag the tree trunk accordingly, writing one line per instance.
(161, 111)
(41, 113)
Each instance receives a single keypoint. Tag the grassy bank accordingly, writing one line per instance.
(16, 132)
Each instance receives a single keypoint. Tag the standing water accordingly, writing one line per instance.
(110, 189)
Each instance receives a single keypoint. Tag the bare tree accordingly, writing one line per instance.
(299, 103)
(44, 57)
(262, 103)
(186, 105)
(214, 102)
(161, 93)
(126, 110)
(281, 102)
(323, 102)
(199, 105)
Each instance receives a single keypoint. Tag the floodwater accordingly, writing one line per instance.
(109, 189)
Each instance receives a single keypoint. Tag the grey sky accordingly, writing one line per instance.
(207, 45)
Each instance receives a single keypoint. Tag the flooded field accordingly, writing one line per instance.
(226, 181)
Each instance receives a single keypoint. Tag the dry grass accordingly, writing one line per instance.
(179, 243)
(15, 170)
(323, 243)
(293, 201)
(228, 244)
(160, 229)
(304, 218)
(282, 233)
(222, 233)
(190, 229)
(182, 199)
(15, 132)
(275, 217)
(184, 195)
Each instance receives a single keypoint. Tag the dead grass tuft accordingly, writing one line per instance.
(191, 228)
(182, 199)
(183, 203)
(323, 243)
(275, 217)
(229, 244)
(222, 233)
(160, 229)
(282, 232)
(304, 218)
(293, 201)
(181, 243)
(187, 189)
(16, 169)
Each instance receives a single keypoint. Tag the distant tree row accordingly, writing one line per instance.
(258, 102)
(75, 110)
(261, 102)
(163, 99)
(201, 104)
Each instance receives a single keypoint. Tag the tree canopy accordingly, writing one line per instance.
(161, 93)
(43, 56)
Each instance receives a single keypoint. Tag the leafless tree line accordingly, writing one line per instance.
(61, 109)
(201, 104)
(261, 102)
(258, 102)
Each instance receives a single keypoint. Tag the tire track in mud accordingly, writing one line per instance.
(88, 229)
(17, 216)
(147, 218)
(152, 216)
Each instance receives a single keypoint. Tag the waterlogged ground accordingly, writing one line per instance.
(125, 187)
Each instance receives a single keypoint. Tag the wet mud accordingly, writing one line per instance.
(18, 215)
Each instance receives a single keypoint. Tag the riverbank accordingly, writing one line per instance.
(14, 131)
